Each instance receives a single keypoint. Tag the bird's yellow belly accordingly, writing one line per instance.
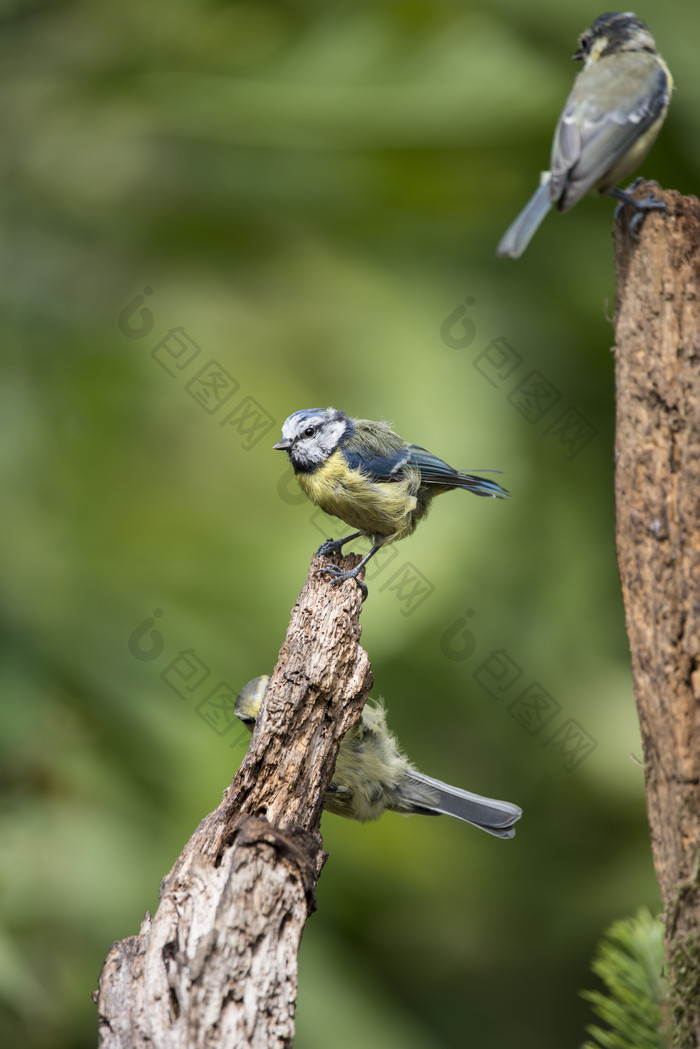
(379, 508)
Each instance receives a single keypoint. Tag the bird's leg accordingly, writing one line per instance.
(339, 576)
(335, 546)
(650, 203)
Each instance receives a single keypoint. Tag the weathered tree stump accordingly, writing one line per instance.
(657, 488)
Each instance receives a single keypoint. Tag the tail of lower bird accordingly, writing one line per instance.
(428, 795)
(520, 233)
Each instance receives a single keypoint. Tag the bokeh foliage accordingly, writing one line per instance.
(310, 190)
(629, 960)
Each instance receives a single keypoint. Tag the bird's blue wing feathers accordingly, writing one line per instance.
(436, 471)
(432, 469)
(387, 467)
(378, 467)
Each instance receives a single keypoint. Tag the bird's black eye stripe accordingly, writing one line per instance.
(309, 431)
(585, 43)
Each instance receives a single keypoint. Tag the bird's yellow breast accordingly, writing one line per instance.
(379, 508)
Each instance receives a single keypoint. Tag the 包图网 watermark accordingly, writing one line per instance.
(530, 704)
(530, 392)
(190, 678)
(209, 384)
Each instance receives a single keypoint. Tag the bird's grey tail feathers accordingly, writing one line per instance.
(520, 233)
(428, 795)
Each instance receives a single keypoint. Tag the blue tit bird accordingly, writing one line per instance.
(369, 477)
(608, 125)
(373, 776)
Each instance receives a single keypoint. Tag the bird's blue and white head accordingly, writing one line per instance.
(311, 435)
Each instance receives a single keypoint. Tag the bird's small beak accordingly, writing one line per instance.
(283, 446)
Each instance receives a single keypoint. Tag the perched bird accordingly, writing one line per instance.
(368, 476)
(609, 123)
(372, 776)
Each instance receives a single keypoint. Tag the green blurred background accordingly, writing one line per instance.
(310, 190)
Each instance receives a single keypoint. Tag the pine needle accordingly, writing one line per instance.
(629, 961)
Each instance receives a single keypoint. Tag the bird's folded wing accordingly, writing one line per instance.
(432, 469)
(590, 139)
(378, 467)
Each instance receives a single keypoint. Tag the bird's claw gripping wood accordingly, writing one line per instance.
(649, 203)
(339, 576)
(331, 547)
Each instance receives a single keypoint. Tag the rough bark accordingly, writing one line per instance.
(217, 965)
(657, 487)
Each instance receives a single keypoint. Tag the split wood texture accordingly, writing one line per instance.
(216, 966)
(657, 490)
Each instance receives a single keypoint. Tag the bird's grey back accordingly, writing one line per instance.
(590, 138)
